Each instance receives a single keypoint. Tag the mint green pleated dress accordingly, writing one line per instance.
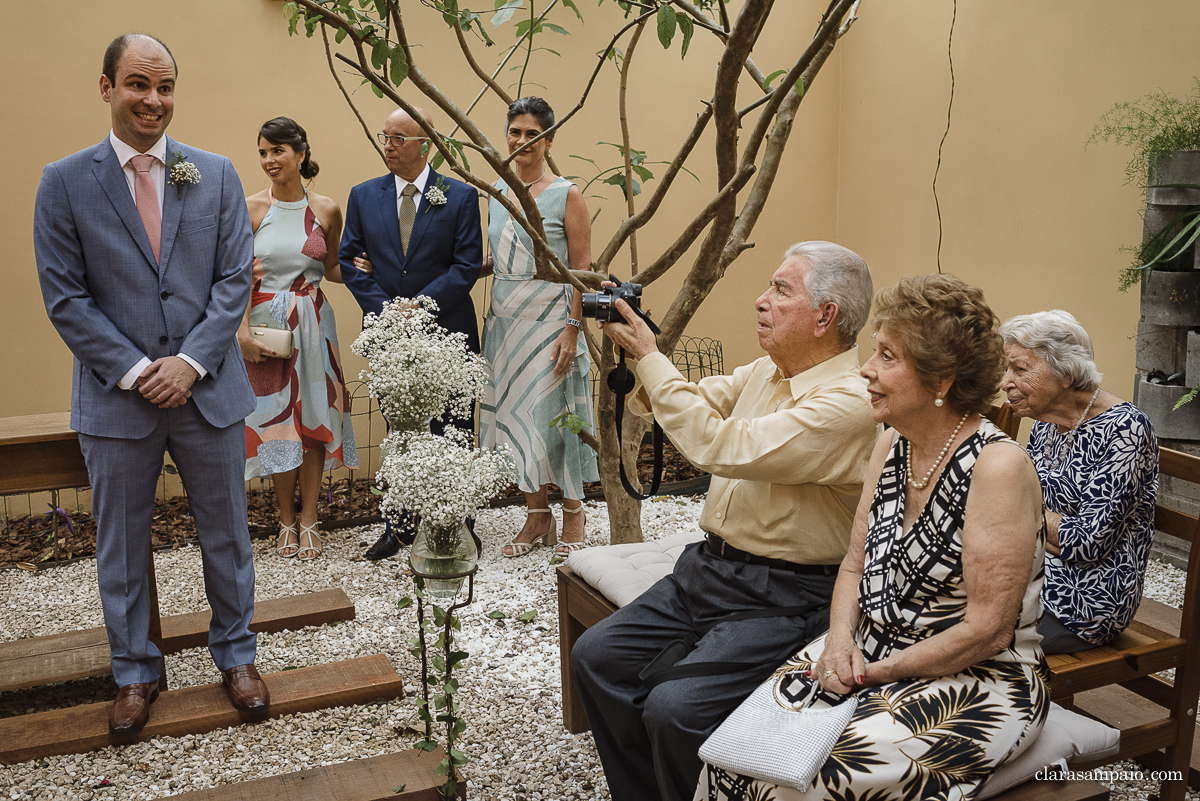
(525, 318)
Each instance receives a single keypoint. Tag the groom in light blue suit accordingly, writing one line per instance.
(145, 274)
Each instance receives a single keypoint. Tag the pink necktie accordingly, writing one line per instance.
(146, 197)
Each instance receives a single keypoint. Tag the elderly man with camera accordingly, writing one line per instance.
(786, 439)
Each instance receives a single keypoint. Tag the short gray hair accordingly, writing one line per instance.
(1058, 339)
(837, 275)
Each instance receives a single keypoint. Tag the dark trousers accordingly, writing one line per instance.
(648, 738)
(1058, 639)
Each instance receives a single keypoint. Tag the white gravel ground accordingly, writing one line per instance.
(510, 689)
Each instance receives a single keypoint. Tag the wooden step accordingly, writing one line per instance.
(196, 710)
(36, 661)
(373, 779)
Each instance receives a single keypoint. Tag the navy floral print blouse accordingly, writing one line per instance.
(1103, 479)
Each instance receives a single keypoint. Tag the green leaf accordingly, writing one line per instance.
(666, 25)
(404, 603)
(374, 489)
(569, 4)
(1188, 398)
(527, 616)
(438, 158)
(688, 28)
(451, 686)
(425, 745)
(550, 26)
(800, 86)
(379, 53)
(398, 788)
(496, 614)
(292, 12)
(642, 173)
(399, 69)
(458, 757)
(581, 158)
(457, 657)
(438, 663)
(770, 79)
(340, 36)
(504, 11)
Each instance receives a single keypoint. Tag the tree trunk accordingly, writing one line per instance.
(624, 512)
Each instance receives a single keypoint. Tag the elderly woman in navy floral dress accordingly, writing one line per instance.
(1097, 459)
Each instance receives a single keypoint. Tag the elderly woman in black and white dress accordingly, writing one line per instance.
(1097, 459)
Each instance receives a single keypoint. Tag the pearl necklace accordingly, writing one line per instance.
(535, 180)
(1059, 444)
(924, 482)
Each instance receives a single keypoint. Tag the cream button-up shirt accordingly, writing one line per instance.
(787, 455)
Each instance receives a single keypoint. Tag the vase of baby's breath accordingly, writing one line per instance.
(443, 551)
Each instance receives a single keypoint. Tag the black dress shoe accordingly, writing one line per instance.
(387, 545)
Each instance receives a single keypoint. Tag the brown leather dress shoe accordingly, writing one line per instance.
(246, 689)
(131, 710)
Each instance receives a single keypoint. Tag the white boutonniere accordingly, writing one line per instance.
(436, 194)
(180, 171)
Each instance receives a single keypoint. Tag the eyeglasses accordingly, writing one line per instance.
(397, 140)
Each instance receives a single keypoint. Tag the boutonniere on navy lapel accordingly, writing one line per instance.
(436, 194)
(180, 171)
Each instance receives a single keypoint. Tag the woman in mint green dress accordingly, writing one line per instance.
(532, 342)
(301, 426)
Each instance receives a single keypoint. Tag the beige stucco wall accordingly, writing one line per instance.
(1029, 214)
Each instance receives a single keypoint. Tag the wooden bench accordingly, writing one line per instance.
(1115, 684)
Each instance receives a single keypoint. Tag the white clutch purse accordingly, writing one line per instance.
(763, 740)
(277, 339)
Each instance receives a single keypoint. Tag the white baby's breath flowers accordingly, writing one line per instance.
(418, 370)
(441, 478)
(435, 196)
(185, 172)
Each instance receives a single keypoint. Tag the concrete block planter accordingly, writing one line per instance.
(1163, 348)
(1171, 299)
(1192, 366)
(1157, 400)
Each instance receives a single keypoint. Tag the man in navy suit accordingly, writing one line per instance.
(415, 246)
(143, 250)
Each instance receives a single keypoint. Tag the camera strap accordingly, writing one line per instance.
(621, 381)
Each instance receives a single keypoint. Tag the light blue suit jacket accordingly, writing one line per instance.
(112, 304)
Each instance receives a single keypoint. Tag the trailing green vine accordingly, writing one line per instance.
(438, 673)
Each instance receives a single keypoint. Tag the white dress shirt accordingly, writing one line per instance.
(420, 183)
(158, 174)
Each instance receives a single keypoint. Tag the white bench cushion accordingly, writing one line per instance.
(623, 572)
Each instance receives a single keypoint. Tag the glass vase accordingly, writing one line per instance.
(443, 551)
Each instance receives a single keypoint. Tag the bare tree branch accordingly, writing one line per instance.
(349, 101)
(642, 217)
(694, 228)
(622, 112)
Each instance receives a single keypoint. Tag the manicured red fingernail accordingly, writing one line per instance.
(808, 674)
(858, 679)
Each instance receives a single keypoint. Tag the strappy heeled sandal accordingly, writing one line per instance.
(291, 544)
(522, 548)
(309, 542)
(565, 548)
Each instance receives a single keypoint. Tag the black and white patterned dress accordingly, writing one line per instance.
(1103, 478)
(920, 738)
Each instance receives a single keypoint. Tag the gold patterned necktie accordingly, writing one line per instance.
(146, 198)
(408, 215)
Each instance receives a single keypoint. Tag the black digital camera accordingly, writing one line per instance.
(601, 306)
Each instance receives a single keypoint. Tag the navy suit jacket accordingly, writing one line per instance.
(445, 251)
(112, 304)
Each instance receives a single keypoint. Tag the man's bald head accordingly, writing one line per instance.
(116, 49)
(407, 157)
